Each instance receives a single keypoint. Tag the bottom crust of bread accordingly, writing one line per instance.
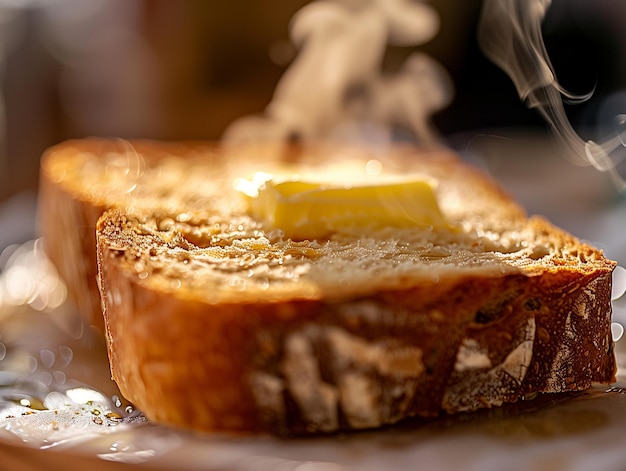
(310, 367)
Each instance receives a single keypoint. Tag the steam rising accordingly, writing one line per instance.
(335, 88)
(510, 35)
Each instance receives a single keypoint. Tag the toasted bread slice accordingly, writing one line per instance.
(80, 179)
(216, 321)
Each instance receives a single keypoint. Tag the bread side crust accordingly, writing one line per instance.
(67, 224)
(69, 208)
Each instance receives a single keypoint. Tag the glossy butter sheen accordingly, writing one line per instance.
(307, 210)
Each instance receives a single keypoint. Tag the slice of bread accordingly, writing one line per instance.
(215, 321)
(80, 179)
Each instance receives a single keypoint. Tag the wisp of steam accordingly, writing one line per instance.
(336, 89)
(510, 36)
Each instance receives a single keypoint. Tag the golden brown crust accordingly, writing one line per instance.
(67, 224)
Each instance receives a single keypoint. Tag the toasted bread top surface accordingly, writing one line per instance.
(179, 225)
(197, 176)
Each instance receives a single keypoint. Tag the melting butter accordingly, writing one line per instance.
(309, 210)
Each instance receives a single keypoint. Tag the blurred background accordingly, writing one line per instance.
(186, 69)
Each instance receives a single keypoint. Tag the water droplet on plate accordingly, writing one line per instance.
(619, 283)
(46, 378)
(617, 330)
(47, 358)
(116, 400)
(59, 377)
(31, 364)
(66, 354)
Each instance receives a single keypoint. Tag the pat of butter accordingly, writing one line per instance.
(308, 210)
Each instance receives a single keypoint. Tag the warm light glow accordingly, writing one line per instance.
(251, 187)
(373, 167)
(28, 277)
